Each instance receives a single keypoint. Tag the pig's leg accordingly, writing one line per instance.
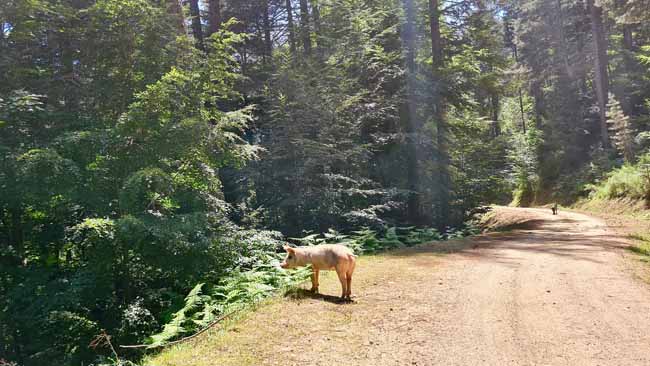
(349, 288)
(343, 279)
(314, 280)
(349, 278)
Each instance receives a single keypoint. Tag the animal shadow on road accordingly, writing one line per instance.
(302, 293)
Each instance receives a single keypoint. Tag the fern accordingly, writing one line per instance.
(312, 239)
(334, 236)
(241, 289)
(182, 322)
(391, 239)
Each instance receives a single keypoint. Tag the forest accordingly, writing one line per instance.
(151, 149)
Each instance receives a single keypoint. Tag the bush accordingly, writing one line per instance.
(147, 190)
(628, 181)
(205, 304)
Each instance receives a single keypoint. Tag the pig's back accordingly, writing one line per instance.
(328, 256)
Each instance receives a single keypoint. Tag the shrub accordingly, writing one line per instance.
(147, 190)
(205, 304)
(628, 181)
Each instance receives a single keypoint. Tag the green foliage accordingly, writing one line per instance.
(629, 181)
(70, 331)
(369, 241)
(579, 184)
(478, 160)
(641, 245)
(366, 241)
(239, 290)
(622, 134)
(193, 302)
(525, 166)
(147, 190)
(417, 236)
(110, 202)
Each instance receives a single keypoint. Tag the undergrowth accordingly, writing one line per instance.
(631, 181)
(641, 244)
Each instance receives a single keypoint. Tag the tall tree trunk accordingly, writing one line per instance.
(304, 27)
(214, 16)
(291, 28)
(581, 31)
(244, 59)
(509, 38)
(409, 116)
(601, 78)
(564, 49)
(521, 110)
(496, 127)
(538, 101)
(520, 94)
(70, 84)
(16, 233)
(197, 30)
(439, 115)
(268, 43)
(176, 10)
(315, 11)
(628, 39)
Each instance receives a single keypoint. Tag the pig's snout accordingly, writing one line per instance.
(284, 265)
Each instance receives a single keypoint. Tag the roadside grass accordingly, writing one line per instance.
(629, 216)
(251, 336)
(640, 251)
(641, 244)
(629, 208)
(219, 345)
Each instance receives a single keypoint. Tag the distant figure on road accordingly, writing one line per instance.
(554, 208)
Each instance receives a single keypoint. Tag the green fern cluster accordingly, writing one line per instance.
(205, 304)
(366, 240)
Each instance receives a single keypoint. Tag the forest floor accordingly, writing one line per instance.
(555, 290)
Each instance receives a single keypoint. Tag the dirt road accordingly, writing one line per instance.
(556, 292)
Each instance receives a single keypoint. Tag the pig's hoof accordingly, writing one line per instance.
(314, 290)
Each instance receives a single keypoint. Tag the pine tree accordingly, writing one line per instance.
(440, 115)
(622, 133)
(601, 76)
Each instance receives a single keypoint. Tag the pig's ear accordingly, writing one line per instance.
(288, 249)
